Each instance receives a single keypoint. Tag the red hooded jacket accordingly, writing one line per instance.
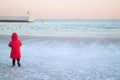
(15, 46)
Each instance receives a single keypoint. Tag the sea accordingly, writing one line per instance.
(64, 28)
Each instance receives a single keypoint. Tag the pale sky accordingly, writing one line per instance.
(54, 9)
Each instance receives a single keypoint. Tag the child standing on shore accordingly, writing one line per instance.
(15, 44)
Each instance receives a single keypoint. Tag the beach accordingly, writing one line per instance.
(61, 58)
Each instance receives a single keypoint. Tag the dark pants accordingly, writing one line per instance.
(18, 61)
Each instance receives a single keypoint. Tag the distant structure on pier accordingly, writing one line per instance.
(27, 18)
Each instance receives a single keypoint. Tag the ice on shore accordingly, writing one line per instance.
(62, 59)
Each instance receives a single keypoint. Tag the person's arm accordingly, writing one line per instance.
(10, 44)
(20, 43)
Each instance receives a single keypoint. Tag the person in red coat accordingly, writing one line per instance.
(15, 44)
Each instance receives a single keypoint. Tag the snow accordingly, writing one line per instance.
(62, 59)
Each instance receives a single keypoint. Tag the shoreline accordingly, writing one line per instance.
(102, 40)
(59, 37)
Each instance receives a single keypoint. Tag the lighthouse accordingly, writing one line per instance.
(30, 18)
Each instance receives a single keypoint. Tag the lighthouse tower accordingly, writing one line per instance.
(30, 18)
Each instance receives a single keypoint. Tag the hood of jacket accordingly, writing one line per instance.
(14, 36)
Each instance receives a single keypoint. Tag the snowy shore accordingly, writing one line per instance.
(57, 58)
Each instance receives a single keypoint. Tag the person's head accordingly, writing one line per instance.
(14, 36)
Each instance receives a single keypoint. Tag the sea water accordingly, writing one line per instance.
(69, 28)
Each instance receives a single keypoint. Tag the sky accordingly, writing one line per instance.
(62, 9)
